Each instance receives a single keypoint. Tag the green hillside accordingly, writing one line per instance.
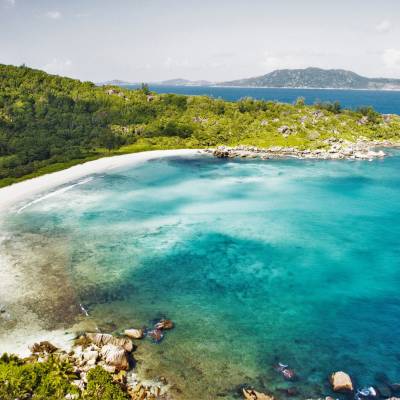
(49, 122)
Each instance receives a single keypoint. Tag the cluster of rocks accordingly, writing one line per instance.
(341, 382)
(115, 92)
(250, 394)
(113, 354)
(336, 149)
(156, 333)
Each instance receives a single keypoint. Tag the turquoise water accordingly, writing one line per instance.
(383, 101)
(256, 262)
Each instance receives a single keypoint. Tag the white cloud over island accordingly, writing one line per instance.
(391, 59)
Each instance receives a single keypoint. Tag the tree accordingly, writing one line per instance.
(110, 140)
(145, 88)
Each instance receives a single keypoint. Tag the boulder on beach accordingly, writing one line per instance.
(134, 333)
(91, 356)
(43, 347)
(115, 356)
(341, 382)
(101, 339)
(250, 394)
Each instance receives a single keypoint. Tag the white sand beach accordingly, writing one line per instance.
(14, 194)
(21, 284)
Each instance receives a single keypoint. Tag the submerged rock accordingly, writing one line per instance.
(164, 324)
(285, 371)
(288, 374)
(156, 334)
(341, 382)
(366, 393)
(395, 387)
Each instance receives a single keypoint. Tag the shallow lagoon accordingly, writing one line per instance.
(256, 262)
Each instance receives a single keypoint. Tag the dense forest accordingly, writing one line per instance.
(49, 122)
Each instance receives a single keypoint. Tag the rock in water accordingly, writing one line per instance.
(101, 339)
(341, 382)
(250, 394)
(134, 333)
(157, 335)
(288, 374)
(116, 356)
(164, 324)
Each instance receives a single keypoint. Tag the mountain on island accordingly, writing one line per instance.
(315, 78)
(184, 82)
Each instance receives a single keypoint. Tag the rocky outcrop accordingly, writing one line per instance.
(134, 333)
(335, 149)
(250, 394)
(285, 130)
(44, 347)
(115, 356)
(101, 339)
(341, 382)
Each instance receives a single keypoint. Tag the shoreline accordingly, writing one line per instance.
(335, 150)
(15, 275)
(17, 192)
(133, 161)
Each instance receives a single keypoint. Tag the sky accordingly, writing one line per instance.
(216, 40)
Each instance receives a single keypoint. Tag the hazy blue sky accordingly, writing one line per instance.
(148, 40)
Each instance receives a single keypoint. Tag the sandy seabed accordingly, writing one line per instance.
(24, 292)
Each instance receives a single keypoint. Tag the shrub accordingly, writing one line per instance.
(101, 386)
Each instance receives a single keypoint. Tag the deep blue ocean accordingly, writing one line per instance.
(387, 102)
(293, 261)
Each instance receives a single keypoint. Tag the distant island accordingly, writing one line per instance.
(169, 82)
(313, 78)
(316, 78)
(185, 82)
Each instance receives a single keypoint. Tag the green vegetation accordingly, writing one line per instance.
(101, 386)
(48, 122)
(52, 380)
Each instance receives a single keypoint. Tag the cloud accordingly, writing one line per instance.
(9, 3)
(273, 61)
(53, 14)
(175, 63)
(391, 58)
(57, 66)
(383, 26)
